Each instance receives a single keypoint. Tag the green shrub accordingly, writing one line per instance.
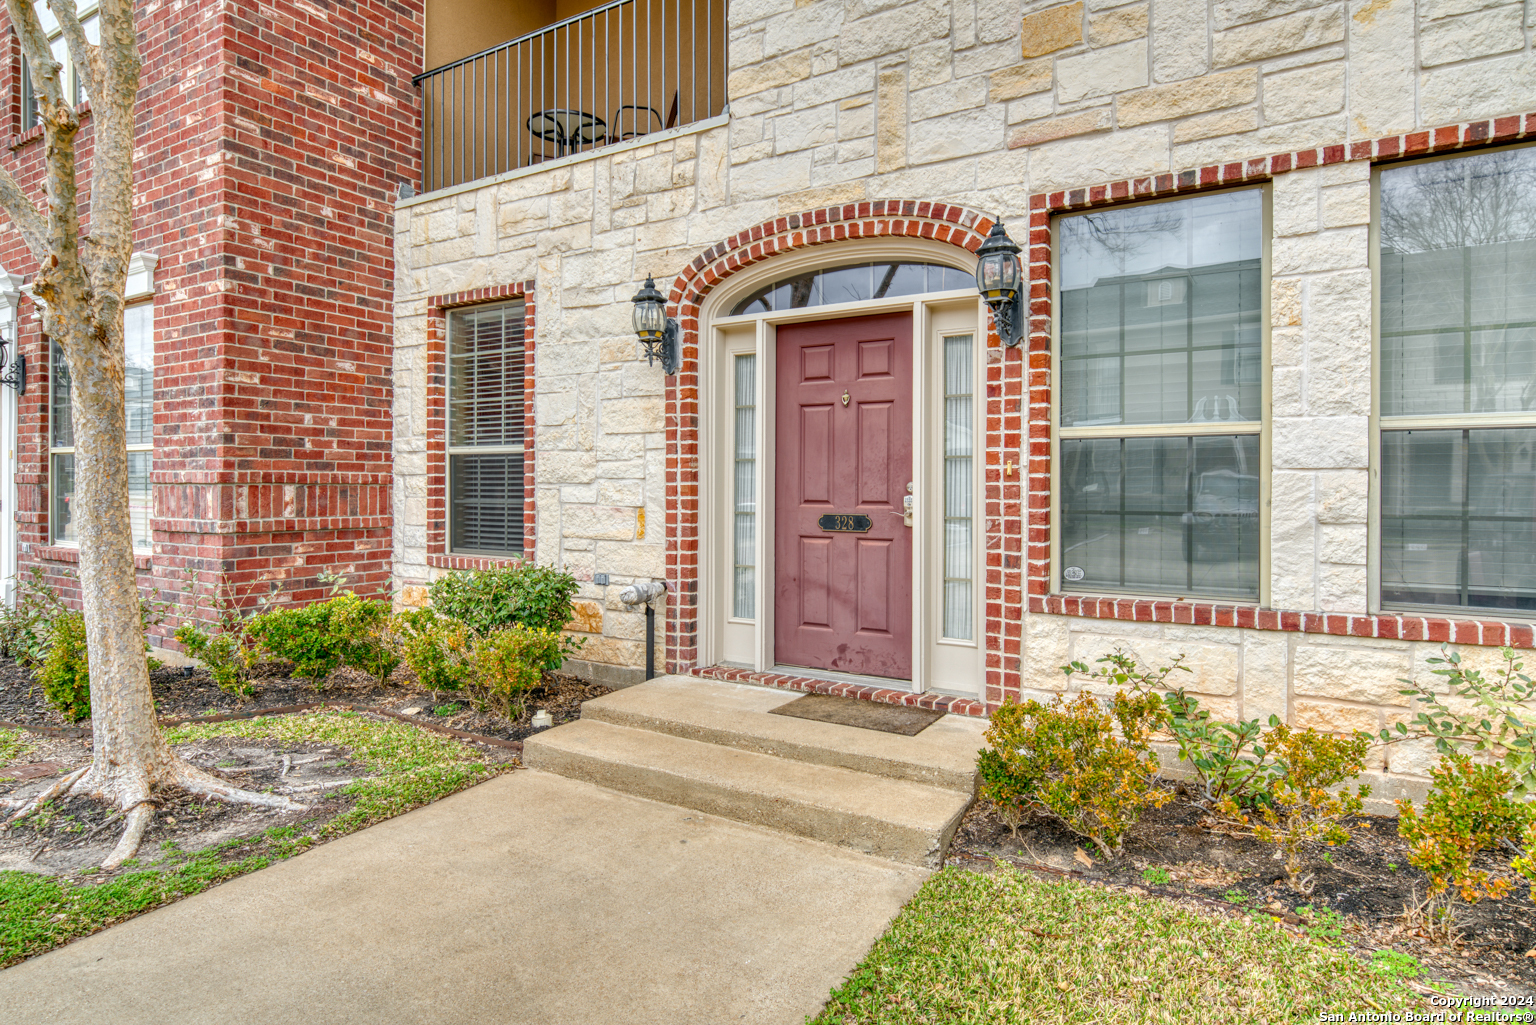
(1067, 760)
(1305, 807)
(1227, 757)
(1525, 864)
(225, 654)
(65, 675)
(364, 625)
(1468, 810)
(320, 638)
(59, 638)
(24, 625)
(224, 647)
(524, 592)
(302, 635)
(1497, 719)
(435, 648)
(509, 663)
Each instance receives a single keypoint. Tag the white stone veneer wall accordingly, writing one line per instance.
(981, 103)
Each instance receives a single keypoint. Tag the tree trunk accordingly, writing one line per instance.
(81, 281)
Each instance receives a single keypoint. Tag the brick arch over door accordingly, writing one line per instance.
(940, 222)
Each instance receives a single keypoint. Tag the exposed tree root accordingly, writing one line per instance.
(63, 786)
(128, 846)
(130, 794)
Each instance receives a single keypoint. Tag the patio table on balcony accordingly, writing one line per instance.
(567, 129)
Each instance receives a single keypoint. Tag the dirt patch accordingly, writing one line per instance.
(78, 832)
(1367, 881)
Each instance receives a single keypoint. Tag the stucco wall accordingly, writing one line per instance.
(983, 104)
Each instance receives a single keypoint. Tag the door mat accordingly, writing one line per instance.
(866, 715)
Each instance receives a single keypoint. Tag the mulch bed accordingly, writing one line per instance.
(182, 693)
(1496, 953)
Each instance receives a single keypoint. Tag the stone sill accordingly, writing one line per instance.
(666, 135)
(70, 553)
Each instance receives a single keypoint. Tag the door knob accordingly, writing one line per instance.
(906, 510)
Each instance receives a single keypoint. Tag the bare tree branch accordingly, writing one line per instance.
(81, 51)
(24, 214)
(34, 47)
(112, 169)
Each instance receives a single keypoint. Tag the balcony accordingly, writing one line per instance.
(604, 76)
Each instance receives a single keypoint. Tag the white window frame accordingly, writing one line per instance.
(1381, 424)
(450, 450)
(54, 352)
(1259, 428)
(88, 15)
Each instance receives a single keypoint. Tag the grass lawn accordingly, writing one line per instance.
(412, 766)
(1004, 947)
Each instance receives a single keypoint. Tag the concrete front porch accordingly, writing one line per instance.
(715, 747)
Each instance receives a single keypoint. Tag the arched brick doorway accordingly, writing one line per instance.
(714, 272)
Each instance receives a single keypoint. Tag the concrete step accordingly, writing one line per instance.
(736, 715)
(891, 818)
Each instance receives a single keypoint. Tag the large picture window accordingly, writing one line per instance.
(1457, 265)
(486, 429)
(139, 384)
(1161, 397)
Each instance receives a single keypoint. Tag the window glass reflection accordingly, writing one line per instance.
(1161, 311)
(1165, 515)
(1458, 285)
(1458, 518)
(853, 283)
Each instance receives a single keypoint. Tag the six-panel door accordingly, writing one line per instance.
(843, 595)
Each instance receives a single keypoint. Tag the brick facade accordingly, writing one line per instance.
(272, 141)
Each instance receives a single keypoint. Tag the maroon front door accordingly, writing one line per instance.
(843, 597)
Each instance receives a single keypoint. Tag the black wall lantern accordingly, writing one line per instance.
(12, 372)
(657, 331)
(997, 277)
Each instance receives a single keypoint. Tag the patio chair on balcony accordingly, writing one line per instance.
(641, 118)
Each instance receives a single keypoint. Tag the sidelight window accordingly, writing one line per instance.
(744, 484)
(486, 429)
(959, 441)
(1457, 266)
(1161, 396)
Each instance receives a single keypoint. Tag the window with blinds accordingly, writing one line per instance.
(486, 431)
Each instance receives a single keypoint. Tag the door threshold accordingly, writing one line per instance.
(856, 679)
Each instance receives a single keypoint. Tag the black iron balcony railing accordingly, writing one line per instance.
(627, 69)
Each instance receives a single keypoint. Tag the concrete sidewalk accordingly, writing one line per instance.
(531, 898)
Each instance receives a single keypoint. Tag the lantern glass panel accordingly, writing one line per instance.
(649, 319)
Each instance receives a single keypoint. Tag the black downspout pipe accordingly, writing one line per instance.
(650, 642)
